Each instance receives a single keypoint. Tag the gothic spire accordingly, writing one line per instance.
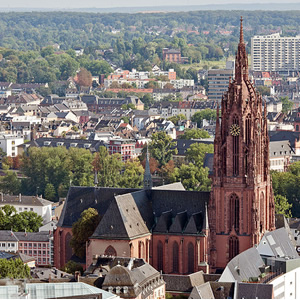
(241, 32)
(147, 175)
(241, 60)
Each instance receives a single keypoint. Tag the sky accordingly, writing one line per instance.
(121, 3)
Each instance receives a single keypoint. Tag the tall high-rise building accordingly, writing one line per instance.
(218, 81)
(275, 53)
(241, 206)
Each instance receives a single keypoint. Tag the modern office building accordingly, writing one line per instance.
(275, 53)
(218, 80)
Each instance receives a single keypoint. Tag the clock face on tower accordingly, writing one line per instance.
(235, 130)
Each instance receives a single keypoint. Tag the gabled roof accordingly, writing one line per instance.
(81, 198)
(179, 223)
(122, 220)
(24, 200)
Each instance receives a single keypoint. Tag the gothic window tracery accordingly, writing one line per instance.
(233, 247)
(175, 257)
(160, 256)
(191, 258)
(235, 121)
(110, 251)
(234, 221)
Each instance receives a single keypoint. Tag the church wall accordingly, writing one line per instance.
(123, 248)
(199, 244)
(62, 249)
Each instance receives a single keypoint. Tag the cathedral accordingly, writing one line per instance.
(179, 231)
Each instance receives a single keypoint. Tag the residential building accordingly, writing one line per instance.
(275, 53)
(9, 144)
(125, 147)
(281, 154)
(173, 55)
(35, 244)
(35, 204)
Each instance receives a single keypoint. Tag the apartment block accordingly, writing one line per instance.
(275, 53)
(218, 82)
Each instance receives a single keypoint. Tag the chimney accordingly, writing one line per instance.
(20, 197)
(77, 276)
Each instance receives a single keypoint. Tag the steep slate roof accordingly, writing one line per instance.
(203, 291)
(137, 212)
(254, 291)
(81, 198)
(122, 220)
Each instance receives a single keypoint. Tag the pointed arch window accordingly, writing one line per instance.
(110, 251)
(233, 247)
(248, 129)
(235, 144)
(191, 258)
(175, 257)
(234, 203)
(160, 256)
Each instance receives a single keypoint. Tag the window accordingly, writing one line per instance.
(25, 252)
(233, 247)
(34, 252)
(110, 251)
(3, 245)
(44, 252)
(20, 208)
(40, 252)
(191, 258)
(30, 245)
(234, 220)
(44, 245)
(31, 209)
(20, 244)
(12, 244)
(25, 208)
(160, 256)
(8, 245)
(30, 252)
(175, 257)
(25, 244)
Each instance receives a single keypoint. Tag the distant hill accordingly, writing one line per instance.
(152, 9)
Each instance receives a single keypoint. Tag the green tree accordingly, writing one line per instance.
(71, 267)
(10, 184)
(108, 167)
(83, 229)
(196, 153)
(176, 119)
(50, 193)
(207, 114)
(194, 134)
(133, 175)
(162, 147)
(282, 206)
(287, 104)
(14, 268)
(10, 219)
(263, 90)
(193, 178)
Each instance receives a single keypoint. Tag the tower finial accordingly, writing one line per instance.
(241, 31)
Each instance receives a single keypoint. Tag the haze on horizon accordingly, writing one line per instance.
(69, 4)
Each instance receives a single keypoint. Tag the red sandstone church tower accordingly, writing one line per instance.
(241, 206)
